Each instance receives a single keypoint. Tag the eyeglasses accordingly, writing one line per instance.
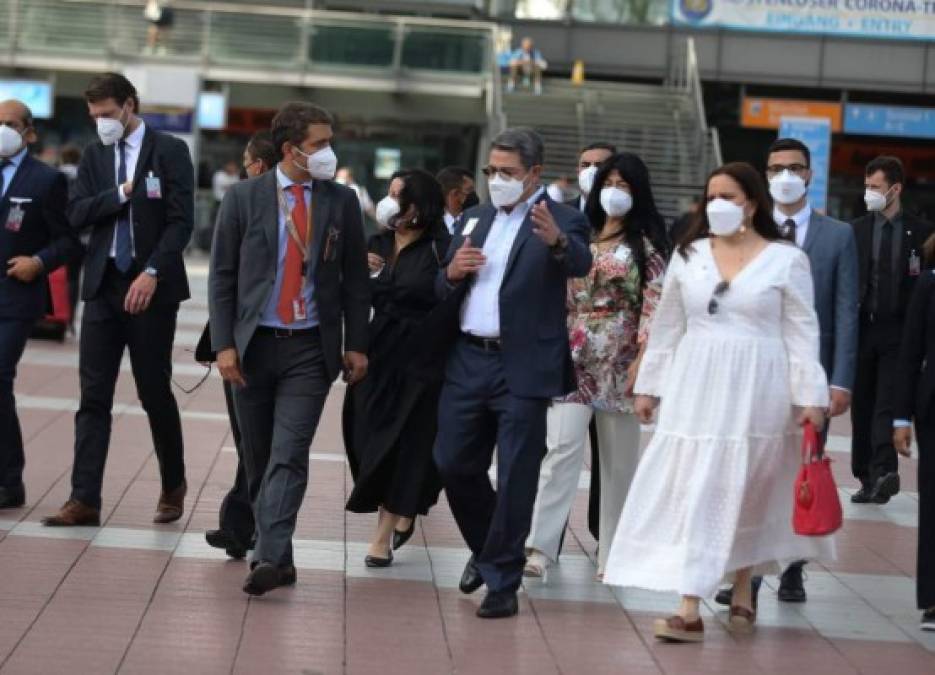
(719, 290)
(774, 169)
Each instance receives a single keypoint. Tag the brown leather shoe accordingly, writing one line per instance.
(676, 629)
(73, 514)
(171, 505)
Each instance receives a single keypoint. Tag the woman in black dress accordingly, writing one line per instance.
(390, 417)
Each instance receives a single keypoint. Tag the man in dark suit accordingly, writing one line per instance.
(135, 191)
(507, 270)
(35, 240)
(288, 291)
(889, 246)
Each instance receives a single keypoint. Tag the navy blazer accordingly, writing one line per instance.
(533, 319)
(42, 193)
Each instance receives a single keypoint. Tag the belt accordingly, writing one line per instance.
(487, 344)
(286, 332)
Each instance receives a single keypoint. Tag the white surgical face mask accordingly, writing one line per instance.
(387, 209)
(321, 164)
(787, 187)
(586, 180)
(875, 201)
(505, 191)
(111, 130)
(616, 202)
(724, 217)
(11, 141)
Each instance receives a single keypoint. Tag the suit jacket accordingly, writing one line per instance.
(915, 232)
(533, 326)
(832, 252)
(244, 259)
(42, 193)
(915, 385)
(161, 227)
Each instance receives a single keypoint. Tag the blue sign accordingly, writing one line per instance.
(889, 120)
(36, 94)
(815, 132)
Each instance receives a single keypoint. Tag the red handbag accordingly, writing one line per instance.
(816, 507)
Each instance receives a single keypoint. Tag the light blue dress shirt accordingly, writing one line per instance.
(270, 317)
(9, 171)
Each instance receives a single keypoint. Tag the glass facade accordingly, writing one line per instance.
(628, 12)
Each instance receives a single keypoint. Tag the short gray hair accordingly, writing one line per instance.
(524, 141)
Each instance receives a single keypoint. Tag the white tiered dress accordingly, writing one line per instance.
(713, 491)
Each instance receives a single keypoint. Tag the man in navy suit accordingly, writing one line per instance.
(35, 239)
(506, 272)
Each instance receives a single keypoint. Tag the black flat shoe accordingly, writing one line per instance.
(265, 576)
(725, 596)
(223, 540)
(498, 605)
(928, 620)
(471, 579)
(887, 486)
(375, 561)
(12, 497)
(863, 495)
(400, 538)
(791, 586)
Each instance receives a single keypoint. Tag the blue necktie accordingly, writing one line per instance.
(123, 250)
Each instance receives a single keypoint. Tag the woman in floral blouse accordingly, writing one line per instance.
(609, 313)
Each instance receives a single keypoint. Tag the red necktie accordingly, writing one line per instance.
(292, 269)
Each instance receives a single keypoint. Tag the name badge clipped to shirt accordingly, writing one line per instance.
(915, 264)
(153, 187)
(14, 218)
(469, 227)
(299, 311)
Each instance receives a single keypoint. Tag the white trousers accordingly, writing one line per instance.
(618, 436)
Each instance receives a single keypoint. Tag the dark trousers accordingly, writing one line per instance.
(278, 411)
(925, 573)
(236, 514)
(477, 411)
(872, 452)
(13, 336)
(106, 330)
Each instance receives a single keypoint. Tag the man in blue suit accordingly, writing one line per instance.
(34, 240)
(505, 277)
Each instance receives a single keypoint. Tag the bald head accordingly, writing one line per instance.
(16, 114)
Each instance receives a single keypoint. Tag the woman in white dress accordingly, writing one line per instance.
(733, 359)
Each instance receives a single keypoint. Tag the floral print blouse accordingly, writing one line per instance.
(607, 324)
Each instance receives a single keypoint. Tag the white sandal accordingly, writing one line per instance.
(537, 566)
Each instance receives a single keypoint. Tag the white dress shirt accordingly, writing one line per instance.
(800, 219)
(450, 221)
(131, 156)
(480, 313)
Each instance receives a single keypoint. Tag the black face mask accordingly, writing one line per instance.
(470, 201)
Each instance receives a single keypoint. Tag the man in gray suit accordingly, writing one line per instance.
(832, 252)
(288, 291)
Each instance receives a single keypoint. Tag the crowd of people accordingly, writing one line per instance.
(512, 332)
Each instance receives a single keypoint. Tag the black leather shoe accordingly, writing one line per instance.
(12, 497)
(471, 580)
(928, 620)
(375, 561)
(791, 586)
(400, 538)
(725, 596)
(498, 605)
(886, 487)
(863, 495)
(224, 540)
(265, 576)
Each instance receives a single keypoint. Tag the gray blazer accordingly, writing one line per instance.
(832, 252)
(244, 258)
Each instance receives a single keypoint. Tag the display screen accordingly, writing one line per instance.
(37, 94)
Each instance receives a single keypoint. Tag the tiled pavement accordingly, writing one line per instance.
(133, 597)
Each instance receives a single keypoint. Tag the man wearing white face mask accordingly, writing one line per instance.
(135, 192)
(289, 304)
(889, 245)
(592, 156)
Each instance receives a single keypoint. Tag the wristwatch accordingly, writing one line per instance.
(151, 271)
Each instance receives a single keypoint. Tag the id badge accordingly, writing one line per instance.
(153, 187)
(14, 219)
(298, 310)
(915, 264)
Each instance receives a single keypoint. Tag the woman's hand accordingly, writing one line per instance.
(645, 407)
(814, 415)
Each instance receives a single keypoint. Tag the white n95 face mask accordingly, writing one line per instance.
(110, 130)
(787, 187)
(504, 191)
(875, 201)
(616, 202)
(724, 217)
(586, 180)
(387, 209)
(11, 141)
(321, 164)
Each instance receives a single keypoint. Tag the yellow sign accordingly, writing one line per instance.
(765, 113)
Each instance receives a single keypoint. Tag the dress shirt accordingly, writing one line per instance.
(582, 203)
(270, 316)
(9, 171)
(134, 143)
(480, 313)
(450, 221)
(899, 424)
(800, 218)
(897, 266)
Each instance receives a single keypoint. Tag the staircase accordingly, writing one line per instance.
(663, 124)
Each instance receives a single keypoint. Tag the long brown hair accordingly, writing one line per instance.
(753, 188)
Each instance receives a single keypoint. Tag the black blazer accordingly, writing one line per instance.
(161, 227)
(915, 232)
(42, 193)
(915, 384)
